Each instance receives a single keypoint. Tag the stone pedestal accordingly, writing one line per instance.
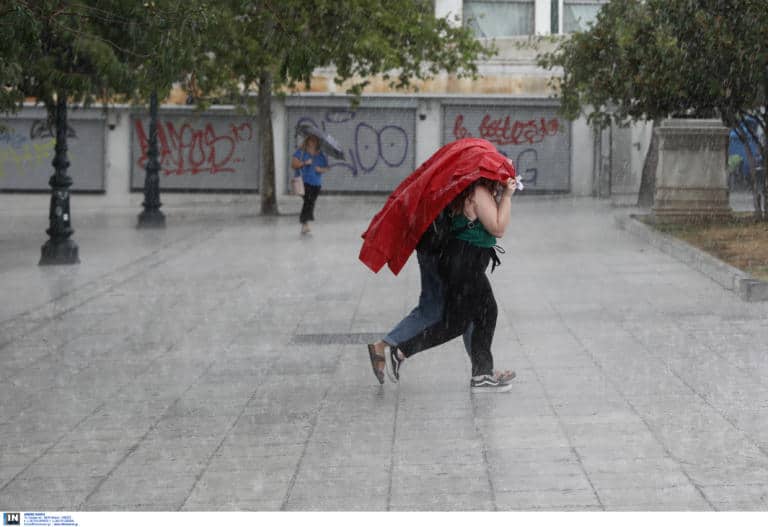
(691, 179)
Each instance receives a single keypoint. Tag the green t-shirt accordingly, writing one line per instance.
(474, 234)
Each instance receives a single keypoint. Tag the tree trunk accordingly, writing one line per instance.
(645, 197)
(762, 144)
(267, 181)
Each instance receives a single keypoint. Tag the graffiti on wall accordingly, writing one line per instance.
(26, 153)
(371, 146)
(506, 131)
(522, 140)
(195, 149)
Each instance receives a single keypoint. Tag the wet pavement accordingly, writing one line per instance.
(220, 364)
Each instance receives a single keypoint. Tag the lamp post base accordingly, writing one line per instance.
(151, 219)
(63, 252)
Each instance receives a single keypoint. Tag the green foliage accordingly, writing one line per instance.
(159, 40)
(113, 48)
(280, 44)
(400, 39)
(403, 37)
(128, 49)
(16, 27)
(59, 47)
(650, 59)
(627, 65)
(92, 49)
(655, 58)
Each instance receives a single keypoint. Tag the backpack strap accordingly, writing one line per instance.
(470, 225)
(495, 251)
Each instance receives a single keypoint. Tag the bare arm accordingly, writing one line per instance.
(494, 217)
(296, 163)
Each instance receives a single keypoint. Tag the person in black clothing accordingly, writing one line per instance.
(429, 311)
(478, 219)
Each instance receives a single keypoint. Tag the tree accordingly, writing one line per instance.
(159, 43)
(740, 44)
(15, 26)
(647, 60)
(61, 52)
(273, 45)
(57, 53)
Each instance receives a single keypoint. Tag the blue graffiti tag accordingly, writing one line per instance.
(388, 144)
(12, 138)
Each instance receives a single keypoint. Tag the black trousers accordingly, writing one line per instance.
(468, 300)
(308, 209)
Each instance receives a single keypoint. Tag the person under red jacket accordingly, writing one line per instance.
(396, 229)
(479, 213)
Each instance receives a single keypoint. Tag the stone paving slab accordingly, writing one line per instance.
(220, 364)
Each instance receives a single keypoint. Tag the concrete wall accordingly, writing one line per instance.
(117, 171)
(449, 8)
(429, 136)
(582, 158)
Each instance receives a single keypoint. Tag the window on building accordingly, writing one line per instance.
(577, 14)
(499, 18)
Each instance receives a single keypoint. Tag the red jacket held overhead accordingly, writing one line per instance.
(396, 229)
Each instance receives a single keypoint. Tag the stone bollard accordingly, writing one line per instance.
(691, 179)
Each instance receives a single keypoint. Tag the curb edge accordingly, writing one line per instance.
(748, 288)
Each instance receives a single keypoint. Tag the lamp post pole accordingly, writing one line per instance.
(151, 216)
(60, 249)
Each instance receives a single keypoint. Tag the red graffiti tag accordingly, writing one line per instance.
(191, 150)
(503, 131)
(459, 131)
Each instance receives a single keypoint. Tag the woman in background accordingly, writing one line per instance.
(311, 163)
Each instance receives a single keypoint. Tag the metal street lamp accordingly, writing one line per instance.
(151, 216)
(60, 249)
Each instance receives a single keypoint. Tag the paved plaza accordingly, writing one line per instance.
(220, 364)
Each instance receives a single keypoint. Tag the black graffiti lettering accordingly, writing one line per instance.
(339, 116)
(42, 129)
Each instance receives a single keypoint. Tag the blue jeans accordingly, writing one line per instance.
(430, 308)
